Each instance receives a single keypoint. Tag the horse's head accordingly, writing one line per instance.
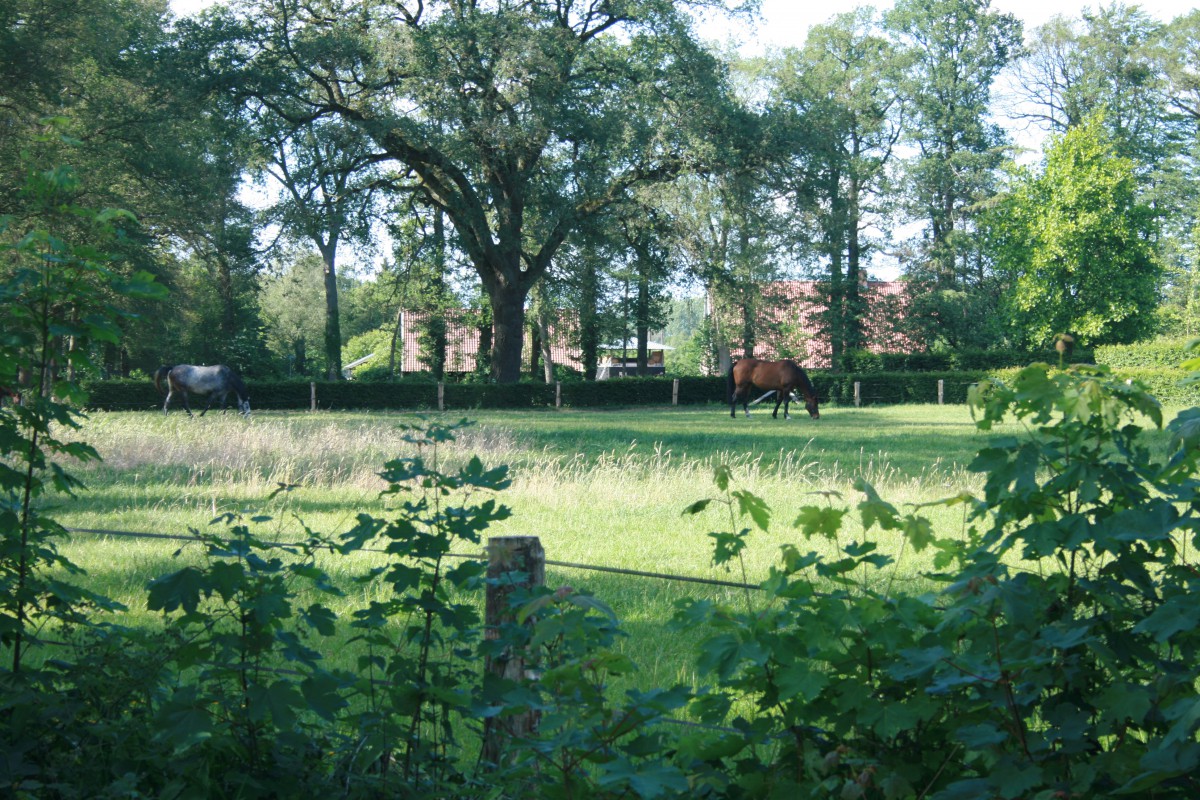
(811, 404)
(244, 406)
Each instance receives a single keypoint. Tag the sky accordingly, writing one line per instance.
(785, 23)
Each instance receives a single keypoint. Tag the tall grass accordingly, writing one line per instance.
(604, 488)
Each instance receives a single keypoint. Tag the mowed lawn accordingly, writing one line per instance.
(598, 487)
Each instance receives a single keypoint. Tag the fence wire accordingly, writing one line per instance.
(479, 556)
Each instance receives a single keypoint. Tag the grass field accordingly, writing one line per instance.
(598, 487)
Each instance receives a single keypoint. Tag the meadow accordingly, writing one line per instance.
(603, 488)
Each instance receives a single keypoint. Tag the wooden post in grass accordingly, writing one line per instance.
(675, 392)
(941, 391)
(312, 392)
(441, 396)
(513, 561)
(558, 394)
(857, 394)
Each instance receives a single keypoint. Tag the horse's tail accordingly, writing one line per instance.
(729, 382)
(160, 375)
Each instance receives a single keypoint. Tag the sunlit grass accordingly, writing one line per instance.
(598, 487)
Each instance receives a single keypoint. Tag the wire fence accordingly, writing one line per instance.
(187, 538)
(479, 556)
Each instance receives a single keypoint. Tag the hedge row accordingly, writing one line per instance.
(124, 395)
(862, 361)
(1168, 353)
(875, 388)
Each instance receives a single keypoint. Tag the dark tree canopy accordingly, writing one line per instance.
(518, 120)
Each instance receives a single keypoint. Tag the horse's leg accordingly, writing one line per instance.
(787, 401)
(186, 405)
(167, 402)
(778, 400)
(208, 405)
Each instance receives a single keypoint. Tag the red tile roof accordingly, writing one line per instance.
(794, 308)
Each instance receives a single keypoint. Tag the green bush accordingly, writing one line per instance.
(1057, 653)
(1168, 353)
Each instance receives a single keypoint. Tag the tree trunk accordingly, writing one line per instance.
(535, 350)
(333, 327)
(396, 334)
(589, 336)
(300, 367)
(642, 321)
(543, 327)
(852, 312)
(508, 333)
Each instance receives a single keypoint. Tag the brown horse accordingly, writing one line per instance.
(784, 377)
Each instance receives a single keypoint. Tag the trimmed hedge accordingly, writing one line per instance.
(862, 362)
(1168, 353)
(876, 388)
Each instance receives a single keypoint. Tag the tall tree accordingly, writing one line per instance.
(328, 191)
(1076, 244)
(518, 120)
(727, 229)
(1106, 61)
(956, 48)
(842, 88)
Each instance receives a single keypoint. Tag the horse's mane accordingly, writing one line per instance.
(238, 385)
(808, 384)
(159, 376)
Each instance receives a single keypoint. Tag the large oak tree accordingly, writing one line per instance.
(519, 120)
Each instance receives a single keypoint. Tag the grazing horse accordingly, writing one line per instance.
(784, 377)
(216, 381)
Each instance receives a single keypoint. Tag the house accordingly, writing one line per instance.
(462, 343)
(621, 359)
(789, 325)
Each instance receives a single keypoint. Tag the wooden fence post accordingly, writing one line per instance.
(675, 392)
(524, 556)
(312, 391)
(941, 391)
(441, 396)
(558, 394)
(857, 393)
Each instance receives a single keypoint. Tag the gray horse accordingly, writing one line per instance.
(215, 381)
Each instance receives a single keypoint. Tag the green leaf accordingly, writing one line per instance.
(752, 505)
(820, 521)
(801, 680)
(181, 589)
(722, 475)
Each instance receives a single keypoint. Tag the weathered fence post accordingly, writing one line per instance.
(513, 561)
(941, 391)
(857, 393)
(312, 392)
(675, 392)
(558, 394)
(441, 396)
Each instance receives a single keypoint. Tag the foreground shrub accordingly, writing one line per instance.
(1055, 654)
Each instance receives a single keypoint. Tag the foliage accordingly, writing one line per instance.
(1168, 353)
(955, 49)
(1050, 656)
(1077, 245)
(56, 292)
